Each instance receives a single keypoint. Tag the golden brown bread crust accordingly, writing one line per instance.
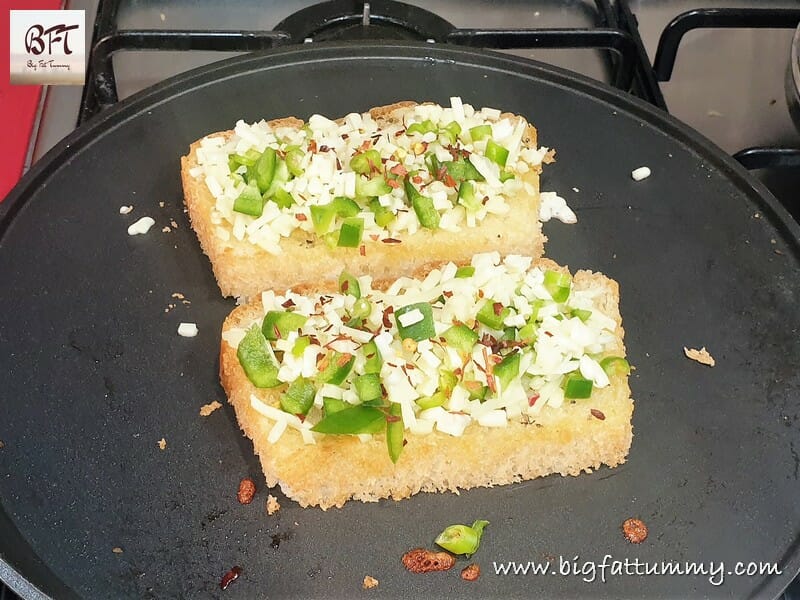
(567, 440)
(244, 269)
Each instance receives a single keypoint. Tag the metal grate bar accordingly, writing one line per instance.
(705, 18)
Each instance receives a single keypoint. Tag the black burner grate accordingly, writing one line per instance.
(616, 33)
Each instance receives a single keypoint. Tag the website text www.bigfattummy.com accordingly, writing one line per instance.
(591, 571)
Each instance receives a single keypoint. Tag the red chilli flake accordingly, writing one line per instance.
(497, 307)
(393, 183)
(532, 400)
(230, 577)
(387, 313)
(391, 241)
(324, 148)
(312, 146)
(399, 132)
(362, 250)
(399, 169)
(449, 181)
(392, 419)
(301, 217)
(597, 414)
(288, 304)
(447, 294)
(416, 179)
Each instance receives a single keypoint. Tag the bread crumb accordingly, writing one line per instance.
(125, 210)
(702, 356)
(274, 506)
(173, 223)
(369, 582)
(165, 229)
(161, 204)
(162, 444)
(116, 550)
(178, 295)
(2, 444)
(209, 408)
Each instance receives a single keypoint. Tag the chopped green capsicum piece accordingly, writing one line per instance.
(358, 419)
(464, 272)
(373, 361)
(263, 171)
(492, 314)
(257, 359)
(577, 387)
(480, 132)
(336, 367)
(383, 214)
(423, 207)
(426, 126)
(415, 321)
(249, 202)
(299, 396)
(426, 402)
(460, 337)
(496, 153)
(507, 369)
(375, 186)
(278, 324)
(462, 170)
(351, 232)
(467, 197)
(557, 285)
(294, 160)
(332, 405)
(368, 387)
(395, 431)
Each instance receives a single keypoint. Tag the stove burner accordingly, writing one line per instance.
(353, 20)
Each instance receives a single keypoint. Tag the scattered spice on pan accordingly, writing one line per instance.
(471, 572)
(247, 489)
(634, 530)
(420, 560)
(165, 229)
(702, 356)
(162, 444)
(209, 408)
(597, 414)
(369, 582)
(273, 505)
(230, 577)
(116, 550)
(173, 223)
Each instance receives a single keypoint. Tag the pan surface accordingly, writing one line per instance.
(93, 374)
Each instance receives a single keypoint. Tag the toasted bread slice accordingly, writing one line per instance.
(287, 246)
(543, 434)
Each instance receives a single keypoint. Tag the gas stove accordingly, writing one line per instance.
(718, 66)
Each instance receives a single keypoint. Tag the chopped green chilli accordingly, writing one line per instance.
(462, 539)
(557, 284)
(577, 387)
(354, 420)
(278, 323)
(299, 396)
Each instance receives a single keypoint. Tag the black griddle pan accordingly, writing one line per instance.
(93, 373)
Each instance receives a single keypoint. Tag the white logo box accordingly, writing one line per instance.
(48, 47)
